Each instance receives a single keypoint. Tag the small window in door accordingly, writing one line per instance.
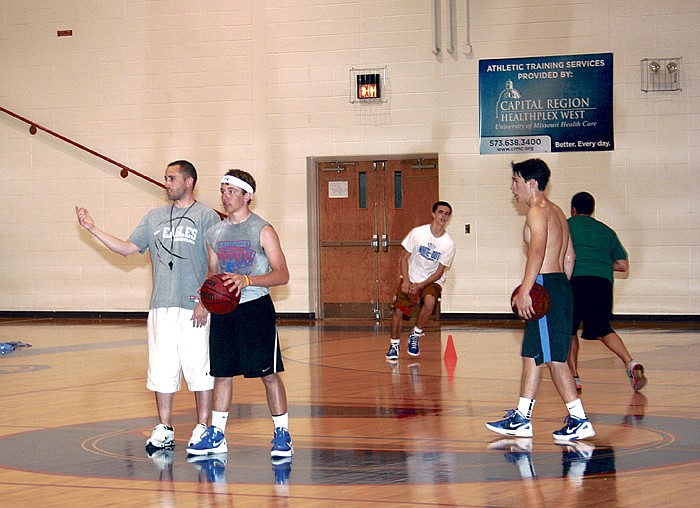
(398, 189)
(362, 191)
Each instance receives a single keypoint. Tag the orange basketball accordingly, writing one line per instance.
(540, 301)
(216, 297)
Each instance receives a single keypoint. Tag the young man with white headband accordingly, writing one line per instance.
(246, 249)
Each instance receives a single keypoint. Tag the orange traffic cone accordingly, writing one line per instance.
(450, 358)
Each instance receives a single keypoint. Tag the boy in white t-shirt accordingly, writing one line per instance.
(428, 253)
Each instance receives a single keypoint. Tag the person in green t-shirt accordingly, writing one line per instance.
(599, 253)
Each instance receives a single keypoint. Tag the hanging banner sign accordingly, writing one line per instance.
(546, 104)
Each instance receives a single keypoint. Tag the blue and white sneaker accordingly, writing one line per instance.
(575, 457)
(211, 467)
(393, 353)
(413, 339)
(577, 451)
(281, 443)
(283, 468)
(513, 424)
(519, 452)
(575, 428)
(212, 441)
(511, 445)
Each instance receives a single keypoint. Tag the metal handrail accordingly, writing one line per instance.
(125, 170)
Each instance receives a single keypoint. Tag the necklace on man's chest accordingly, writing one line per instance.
(172, 231)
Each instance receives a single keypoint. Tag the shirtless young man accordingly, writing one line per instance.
(550, 262)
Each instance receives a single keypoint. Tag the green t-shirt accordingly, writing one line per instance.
(596, 245)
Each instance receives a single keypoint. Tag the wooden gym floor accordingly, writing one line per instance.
(76, 414)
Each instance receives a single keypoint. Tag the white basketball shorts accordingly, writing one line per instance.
(176, 347)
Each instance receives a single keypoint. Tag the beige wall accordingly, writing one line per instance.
(263, 85)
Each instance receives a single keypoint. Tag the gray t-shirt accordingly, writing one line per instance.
(175, 238)
(239, 250)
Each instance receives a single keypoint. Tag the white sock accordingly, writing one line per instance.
(395, 342)
(577, 469)
(219, 419)
(526, 467)
(525, 407)
(281, 421)
(576, 409)
(417, 330)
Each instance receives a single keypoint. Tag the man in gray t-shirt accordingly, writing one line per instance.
(178, 325)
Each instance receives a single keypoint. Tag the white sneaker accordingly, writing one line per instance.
(162, 457)
(162, 436)
(197, 434)
(635, 371)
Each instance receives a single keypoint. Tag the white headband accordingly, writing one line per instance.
(232, 180)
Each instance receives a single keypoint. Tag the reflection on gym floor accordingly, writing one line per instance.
(80, 415)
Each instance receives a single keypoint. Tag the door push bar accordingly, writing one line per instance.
(385, 243)
(375, 242)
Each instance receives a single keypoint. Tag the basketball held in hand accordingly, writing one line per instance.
(540, 301)
(216, 297)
